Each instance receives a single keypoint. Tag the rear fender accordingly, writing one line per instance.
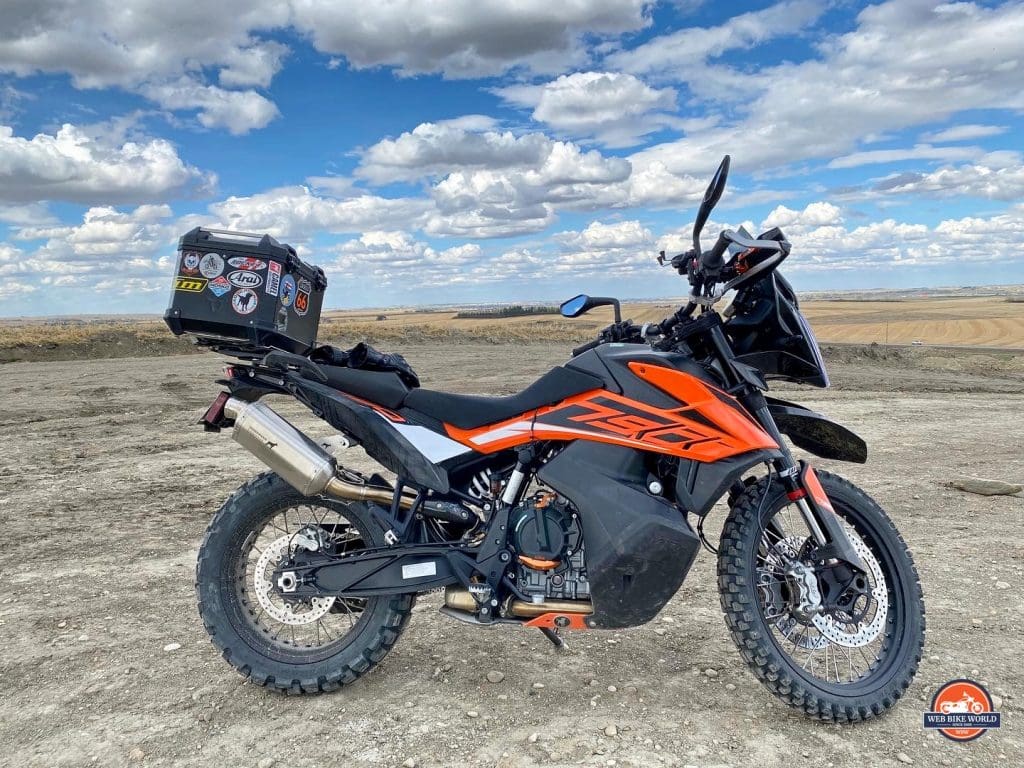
(817, 434)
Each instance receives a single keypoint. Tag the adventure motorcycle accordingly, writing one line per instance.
(566, 506)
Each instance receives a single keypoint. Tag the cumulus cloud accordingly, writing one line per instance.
(822, 241)
(73, 166)
(616, 108)
(149, 47)
(489, 183)
(237, 111)
(389, 256)
(432, 149)
(297, 213)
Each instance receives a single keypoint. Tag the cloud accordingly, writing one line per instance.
(237, 111)
(998, 176)
(389, 257)
(432, 149)
(818, 214)
(150, 48)
(822, 242)
(72, 166)
(964, 132)
(522, 200)
(28, 215)
(297, 214)
(617, 109)
(498, 184)
(464, 38)
(965, 56)
(917, 152)
(683, 55)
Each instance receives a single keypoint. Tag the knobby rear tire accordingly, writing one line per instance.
(750, 631)
(219, 605)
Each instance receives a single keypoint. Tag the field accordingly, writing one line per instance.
(985, 321)
(106, 486)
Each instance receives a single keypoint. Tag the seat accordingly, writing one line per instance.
(381, 387)
(471, 411)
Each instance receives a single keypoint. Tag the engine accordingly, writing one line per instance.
(545, 532)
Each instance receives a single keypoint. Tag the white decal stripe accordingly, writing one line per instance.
(434, 446)
(509, 430)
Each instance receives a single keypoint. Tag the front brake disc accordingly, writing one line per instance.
(839, 632)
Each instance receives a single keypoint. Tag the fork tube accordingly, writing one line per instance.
(786, 467)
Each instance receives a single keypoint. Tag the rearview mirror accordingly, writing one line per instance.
(711, 197)
(575, 306)
(580, 305)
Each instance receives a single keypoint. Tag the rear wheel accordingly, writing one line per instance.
(294, 645)
(849, 659)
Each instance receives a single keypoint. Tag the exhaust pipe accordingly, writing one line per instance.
(459, 599)
(298, 460)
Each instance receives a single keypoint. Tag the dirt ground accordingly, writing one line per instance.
(106, 486)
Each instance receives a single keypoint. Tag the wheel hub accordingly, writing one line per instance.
(293, 613)
(863, 633)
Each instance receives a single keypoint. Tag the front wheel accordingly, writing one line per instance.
(842, 660)
(294, 645)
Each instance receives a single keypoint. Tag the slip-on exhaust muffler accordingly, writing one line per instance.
(296, 458)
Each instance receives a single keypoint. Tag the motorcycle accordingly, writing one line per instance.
(567, 506)
(966, 705)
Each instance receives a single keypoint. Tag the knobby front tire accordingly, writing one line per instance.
(901, 639)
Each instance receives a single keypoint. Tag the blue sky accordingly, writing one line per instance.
(483, 150)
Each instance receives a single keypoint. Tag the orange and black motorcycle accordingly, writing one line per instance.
(567, 505)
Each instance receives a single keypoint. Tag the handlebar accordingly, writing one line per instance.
(588, 346)
(713, 261)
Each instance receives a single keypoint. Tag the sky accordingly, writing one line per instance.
(464, 151)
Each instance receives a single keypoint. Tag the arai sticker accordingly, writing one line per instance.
(243, 279)
(219, 286)
(287, 290)
(189, 263)
(244, 301)
(211, 265)
(273, 278)
(247, 262)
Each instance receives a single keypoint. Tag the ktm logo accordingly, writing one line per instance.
(190, 284)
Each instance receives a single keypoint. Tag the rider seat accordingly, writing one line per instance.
(471, 411)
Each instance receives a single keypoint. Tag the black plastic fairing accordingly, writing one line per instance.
(638, 547)
(379, 439)
(766, 330)
(817, 434)
(699, 485)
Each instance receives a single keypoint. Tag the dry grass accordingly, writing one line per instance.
(976, 322)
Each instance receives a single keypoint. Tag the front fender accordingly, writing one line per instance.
(816, 434)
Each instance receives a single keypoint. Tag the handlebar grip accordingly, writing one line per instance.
(584, 347)
(712, 260)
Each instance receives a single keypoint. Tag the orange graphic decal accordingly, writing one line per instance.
(708, 424)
